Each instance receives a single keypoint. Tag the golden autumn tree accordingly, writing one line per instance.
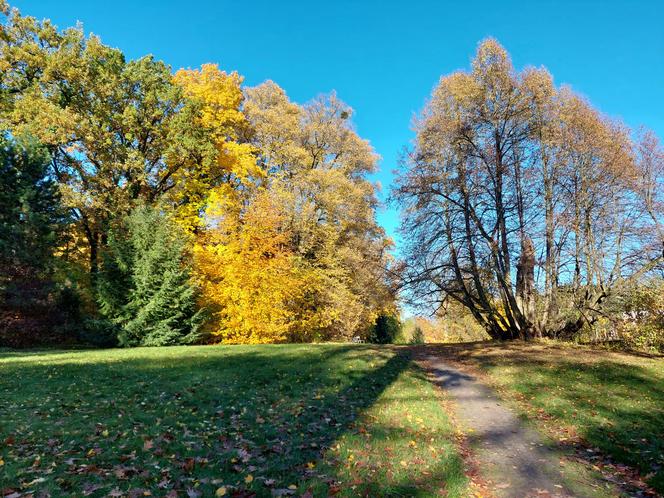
(313, 153)
(249, 277)
(296, 254)
(228, 163)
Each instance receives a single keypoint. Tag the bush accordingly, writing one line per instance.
(98, 332)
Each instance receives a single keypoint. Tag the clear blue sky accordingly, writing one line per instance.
(383, 57)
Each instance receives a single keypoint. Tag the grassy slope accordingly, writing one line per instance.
(611, 401)
(241, 420)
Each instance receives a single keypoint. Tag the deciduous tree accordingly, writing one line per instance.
(523, 203)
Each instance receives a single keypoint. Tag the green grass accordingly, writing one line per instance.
(401, 446)
(610, 401)
(191, 421)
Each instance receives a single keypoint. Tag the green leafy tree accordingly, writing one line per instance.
(118, 131)
(144, 285)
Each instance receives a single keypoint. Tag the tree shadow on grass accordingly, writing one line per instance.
(404, 445)
(251, 418)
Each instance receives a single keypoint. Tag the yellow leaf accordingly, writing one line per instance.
(2, 462)
(104, 433)
(221, 491)
(249, 478)
(292, 486)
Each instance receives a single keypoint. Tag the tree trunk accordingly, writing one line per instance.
(525, 286)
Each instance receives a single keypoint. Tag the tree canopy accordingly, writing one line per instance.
(258, 208)
(524, 203)
(521, 202)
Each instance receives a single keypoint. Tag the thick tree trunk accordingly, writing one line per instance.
(525, 287)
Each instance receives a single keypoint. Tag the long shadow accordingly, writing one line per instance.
(252, 418)
(383, 442)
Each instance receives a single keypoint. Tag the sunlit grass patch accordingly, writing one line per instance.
(401, 446)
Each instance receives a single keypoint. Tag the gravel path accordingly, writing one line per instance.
(512, 456)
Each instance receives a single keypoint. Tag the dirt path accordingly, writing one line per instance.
(512, 457)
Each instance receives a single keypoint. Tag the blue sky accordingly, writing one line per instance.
(384, 57)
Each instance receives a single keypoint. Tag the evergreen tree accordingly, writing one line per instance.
(30, 225)
(145, 285)
(386, 330)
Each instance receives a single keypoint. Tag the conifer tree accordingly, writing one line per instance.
(30, 223)
(144, 286)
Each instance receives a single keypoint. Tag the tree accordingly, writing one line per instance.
(386, 330)
(252, 179)
(251, 281)
(117, 131)
(312, 154)
(232, 164)
(31, 228)
(521, 203)
(145, 286)
(289, 249)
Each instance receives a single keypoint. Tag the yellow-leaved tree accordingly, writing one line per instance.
(296, 254)
(228, 163)
(313, 153)
(249, 277)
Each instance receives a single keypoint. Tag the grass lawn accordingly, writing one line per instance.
(314, 420)
(610, 401)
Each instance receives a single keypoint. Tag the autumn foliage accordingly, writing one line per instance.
(521, 203)
(527, 206)
(195, 208)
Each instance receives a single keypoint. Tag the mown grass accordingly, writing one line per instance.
(403, 445)
(241, 421)
(610, 401)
